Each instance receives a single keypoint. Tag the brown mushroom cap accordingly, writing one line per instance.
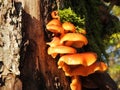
(54, 51)
(83, 70)
(54, 42)
(68, 27)
(86, 59)
(76, 40)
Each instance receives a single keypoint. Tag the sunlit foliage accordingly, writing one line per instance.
(116, 10)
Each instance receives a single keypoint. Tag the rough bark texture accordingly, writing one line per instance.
(10, 40)
(39, 71)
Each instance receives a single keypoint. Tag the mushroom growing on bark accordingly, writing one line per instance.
(55, 42)
(54, 22)
(86, 59)
(54, 51)
(76, 40)
(75, 83)
(72, 63)
(76, 72)
(54, 14)
(55, 27)
(72, 70)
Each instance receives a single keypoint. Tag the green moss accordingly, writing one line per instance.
(69, 15)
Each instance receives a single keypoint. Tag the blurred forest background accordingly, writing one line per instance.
(113, 50)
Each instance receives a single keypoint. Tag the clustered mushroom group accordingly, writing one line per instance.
(64, 44)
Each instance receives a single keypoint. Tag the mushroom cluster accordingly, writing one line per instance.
(65, 43)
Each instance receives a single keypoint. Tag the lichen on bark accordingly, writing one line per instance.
(10, 40)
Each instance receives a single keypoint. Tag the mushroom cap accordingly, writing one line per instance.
(68, 27)
(54, 14)
(76, 40)
(85, 59)
(54, 22)
(54, 51)
(55, 28)
(84, 70)
(55, 42)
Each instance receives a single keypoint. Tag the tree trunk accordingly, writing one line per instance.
(39, 70)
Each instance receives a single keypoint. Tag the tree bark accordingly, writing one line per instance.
(39, 70)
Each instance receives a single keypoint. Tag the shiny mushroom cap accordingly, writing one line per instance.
(55, 29)
(54, 51)
(54, 22)
(68, 27)
(85, 59)
(84, 70)
(76, 40)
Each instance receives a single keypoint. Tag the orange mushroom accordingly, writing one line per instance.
(55, 29)
(83, 70)
(76, 40)
(75, 83)
(72, 63)
(86, 59)
(80, 70)
(54, 22)
(54, 14)
(54, 51)
(55, 42)
(68, 27)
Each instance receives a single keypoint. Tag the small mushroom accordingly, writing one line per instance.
(55, 27)
(86, 59)
(83, 70)
(68, 27)
(54, 14)
(54, 51)
(76, 40)
(55, 42)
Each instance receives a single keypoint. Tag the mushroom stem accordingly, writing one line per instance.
(76, 83)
